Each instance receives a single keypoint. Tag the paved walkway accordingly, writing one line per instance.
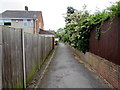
(66, 72)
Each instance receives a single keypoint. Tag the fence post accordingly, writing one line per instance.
(53, 45)
(1, 57)
(23, 57)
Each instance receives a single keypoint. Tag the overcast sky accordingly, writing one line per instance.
(53, 10)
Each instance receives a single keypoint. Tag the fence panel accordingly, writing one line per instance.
(39, 51)
(28, 54)
(36, 50)
(48, 45)
(43, 47)
(108, 44)
(12, 58)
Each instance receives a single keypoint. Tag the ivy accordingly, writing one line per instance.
(80, 23)
(111, 21)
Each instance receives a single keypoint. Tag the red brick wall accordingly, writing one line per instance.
(108, 70)
(104, 53)
(39, 23)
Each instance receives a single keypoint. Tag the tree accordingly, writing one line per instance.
(70, 10)
(60, 33)
(80, 23)
(60, 30)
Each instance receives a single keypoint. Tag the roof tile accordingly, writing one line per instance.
(20, 14)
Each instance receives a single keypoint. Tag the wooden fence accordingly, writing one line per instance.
(108, 46)
(0, 58)
(36, 49)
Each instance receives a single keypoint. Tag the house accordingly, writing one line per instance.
(30, 21)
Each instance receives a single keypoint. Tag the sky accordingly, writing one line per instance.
(53, 10)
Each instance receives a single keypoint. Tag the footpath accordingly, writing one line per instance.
(66, 72)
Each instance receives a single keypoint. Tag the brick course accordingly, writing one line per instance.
(108, 70)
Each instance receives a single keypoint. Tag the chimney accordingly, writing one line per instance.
(26, 8)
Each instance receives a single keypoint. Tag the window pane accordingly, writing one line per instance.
(1, 22)
(7, 23)
(31, 23)
(25, 22)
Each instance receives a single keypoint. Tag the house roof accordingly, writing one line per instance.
(20, 14)
(45, 32)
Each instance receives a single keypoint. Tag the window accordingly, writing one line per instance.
(1, 22)
(31, 23)
(25, 22)
(7, 23)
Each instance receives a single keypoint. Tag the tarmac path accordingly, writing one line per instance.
(67, 72)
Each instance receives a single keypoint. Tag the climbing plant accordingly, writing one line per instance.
(80, 23)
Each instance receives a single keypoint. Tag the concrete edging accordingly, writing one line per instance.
(41, 72)
(46, 67)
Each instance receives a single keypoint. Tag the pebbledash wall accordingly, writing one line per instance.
(18, 23)
(103, 55)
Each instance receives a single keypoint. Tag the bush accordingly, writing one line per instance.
(80, 23)
(56, 42)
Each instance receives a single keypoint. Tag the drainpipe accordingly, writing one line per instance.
(34, 21)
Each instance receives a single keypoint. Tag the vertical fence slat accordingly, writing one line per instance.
(12, 61)
(1, 57)
(13, 54)
(39, 50)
